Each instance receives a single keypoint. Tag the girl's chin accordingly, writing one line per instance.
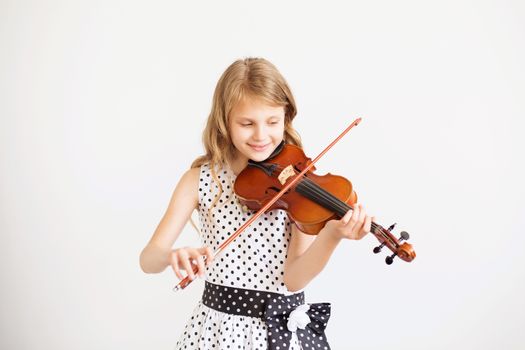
(260, 153)
(258, 157)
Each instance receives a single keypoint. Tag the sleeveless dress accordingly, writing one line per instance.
(254, 260)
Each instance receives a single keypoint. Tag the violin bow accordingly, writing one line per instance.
(187, 280)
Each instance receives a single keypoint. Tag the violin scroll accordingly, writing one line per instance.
(386, 238)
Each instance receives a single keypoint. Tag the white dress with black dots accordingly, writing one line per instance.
(254, 260)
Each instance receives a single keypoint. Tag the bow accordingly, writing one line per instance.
(277, 317)
(186, 281)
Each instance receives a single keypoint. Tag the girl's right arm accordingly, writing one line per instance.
(158, 253)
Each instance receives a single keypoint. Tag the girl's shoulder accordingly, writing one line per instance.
(192, 175)
(196, 172)
(188, 186)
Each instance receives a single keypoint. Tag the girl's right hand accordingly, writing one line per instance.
(187, 258)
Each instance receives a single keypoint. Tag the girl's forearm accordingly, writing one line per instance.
(154, 259)
(299, 272)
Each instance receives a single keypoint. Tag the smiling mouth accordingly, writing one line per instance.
(259, 148)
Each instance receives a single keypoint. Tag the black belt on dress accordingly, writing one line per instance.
(278, 311)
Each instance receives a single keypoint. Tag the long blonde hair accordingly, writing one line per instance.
(254, 77)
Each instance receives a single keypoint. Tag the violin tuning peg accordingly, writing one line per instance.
(404, 236)
(392, 226)
(390, 259)
(378, 248)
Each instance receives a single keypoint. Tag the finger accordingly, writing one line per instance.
(185, 262)
(200, 264)
(362, 217)
(347, 216)
(209, 255)
(368, 225)
(175, 265)
(199, 261)
(355, 215)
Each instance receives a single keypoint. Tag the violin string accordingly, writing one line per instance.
(331, 200)
(338, 204)
(328, 197)
(325, 196)
(319, 193)
(335, 202)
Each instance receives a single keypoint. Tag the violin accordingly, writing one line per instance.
(285, 181)
(312, 200)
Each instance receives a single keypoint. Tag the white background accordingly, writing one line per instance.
(102, 107)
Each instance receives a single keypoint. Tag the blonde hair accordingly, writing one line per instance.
(249, 77)
(253, 77)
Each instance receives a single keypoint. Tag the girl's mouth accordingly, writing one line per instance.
(259, 148)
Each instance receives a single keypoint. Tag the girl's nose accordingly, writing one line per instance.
(260, 132)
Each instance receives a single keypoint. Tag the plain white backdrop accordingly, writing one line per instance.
(102, 106)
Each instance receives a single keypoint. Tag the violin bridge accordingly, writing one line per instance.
(287, 173)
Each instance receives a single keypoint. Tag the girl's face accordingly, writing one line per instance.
(256, 129)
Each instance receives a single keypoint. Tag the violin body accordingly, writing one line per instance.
(312, 201)
(254, 188)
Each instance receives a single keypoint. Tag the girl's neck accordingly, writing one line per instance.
(238, 164)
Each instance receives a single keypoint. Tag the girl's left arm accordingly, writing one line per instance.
(307, 254)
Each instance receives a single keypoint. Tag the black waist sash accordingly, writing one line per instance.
(274, 309)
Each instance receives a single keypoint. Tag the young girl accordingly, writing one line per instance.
(252, 297)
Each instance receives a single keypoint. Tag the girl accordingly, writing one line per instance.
(252, 297)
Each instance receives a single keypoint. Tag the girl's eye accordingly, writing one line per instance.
(249, 124)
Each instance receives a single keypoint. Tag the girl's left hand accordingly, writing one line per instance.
(354, 225)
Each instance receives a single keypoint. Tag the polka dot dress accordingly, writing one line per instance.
(254, 260)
